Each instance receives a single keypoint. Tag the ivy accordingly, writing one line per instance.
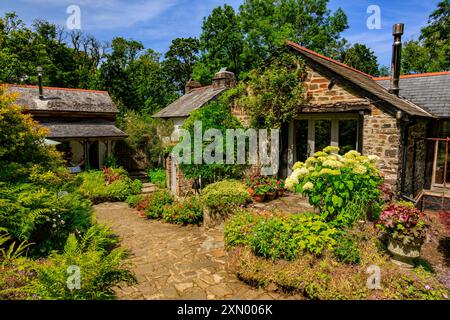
(273, 92)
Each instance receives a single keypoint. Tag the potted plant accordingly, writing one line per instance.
(271, 189)
(260, 193)
(280, 188)
(405, 227)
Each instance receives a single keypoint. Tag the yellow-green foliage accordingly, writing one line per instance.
(325, 278)
(21, 138)
(96, 187)
(332, 182)
(280, 237)
(225, 194)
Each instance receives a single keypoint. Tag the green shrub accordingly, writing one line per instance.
(225, 195)
(157, 202)
(114, 186)
(111, 162)
(280, 237)
(42, 216)
(100, 270)
(188, 211)
(134, 200)
(326, 278)
(347, 250)
(270, 239)
(237, 230)
(157, 177)
(332, 181)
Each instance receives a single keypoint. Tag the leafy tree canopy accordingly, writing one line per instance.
(431, 52)
(180, 59)
(360, 57)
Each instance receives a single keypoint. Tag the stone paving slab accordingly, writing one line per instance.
(175, 262)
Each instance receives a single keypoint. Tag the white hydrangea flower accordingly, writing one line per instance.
(359, 169)
(298, 165)
(308, 186)
(332, 164)
(331, 149)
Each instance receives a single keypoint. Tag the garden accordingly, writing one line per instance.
(47, 222)
(360, 243)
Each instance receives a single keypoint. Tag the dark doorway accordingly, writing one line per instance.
(93, 156)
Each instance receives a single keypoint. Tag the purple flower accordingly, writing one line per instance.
(427, 287)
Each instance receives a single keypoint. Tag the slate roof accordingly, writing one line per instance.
(361, 80)
(430, 91)
(82, 129)
(64, 100)
(197, 98)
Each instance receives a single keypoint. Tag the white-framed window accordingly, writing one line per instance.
(311, 133)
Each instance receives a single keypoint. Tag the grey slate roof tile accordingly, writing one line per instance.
(431, 92)
(191, 101)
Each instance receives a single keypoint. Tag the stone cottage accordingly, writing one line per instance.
(80, 122)
(403, 120)
(195, 97)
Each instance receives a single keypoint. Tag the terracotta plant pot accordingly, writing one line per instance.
(280, 192)
(258, 198)
(404, 255)
(270, 196)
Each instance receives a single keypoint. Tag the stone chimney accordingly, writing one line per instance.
(191, 85)
(224, 79)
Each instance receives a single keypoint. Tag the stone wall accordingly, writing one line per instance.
(416, 155)
(382, 137)
(320, 90)
(183, 185)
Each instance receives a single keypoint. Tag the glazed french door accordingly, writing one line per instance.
(316, 132)
(441, 164)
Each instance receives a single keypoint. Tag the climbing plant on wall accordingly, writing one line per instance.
(273, 92)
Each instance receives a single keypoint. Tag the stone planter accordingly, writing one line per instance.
(403, 255)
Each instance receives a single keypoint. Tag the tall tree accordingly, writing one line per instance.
(150, 83)
(436, 35)
(268, 23)
(415, 57)
(18, 51)
(180, 59)
(115, 73)
(431, 52)
(135, 77)
(360, 57)
(222, 43)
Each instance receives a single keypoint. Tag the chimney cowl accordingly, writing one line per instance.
(224, 79)
(41, 89)
(397, 31)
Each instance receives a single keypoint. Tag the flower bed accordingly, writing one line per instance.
(111, 184)
(262, 253)
(263, 188)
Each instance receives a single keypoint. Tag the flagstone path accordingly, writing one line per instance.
(175, 262)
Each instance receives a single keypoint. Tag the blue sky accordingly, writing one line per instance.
(157, 22)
